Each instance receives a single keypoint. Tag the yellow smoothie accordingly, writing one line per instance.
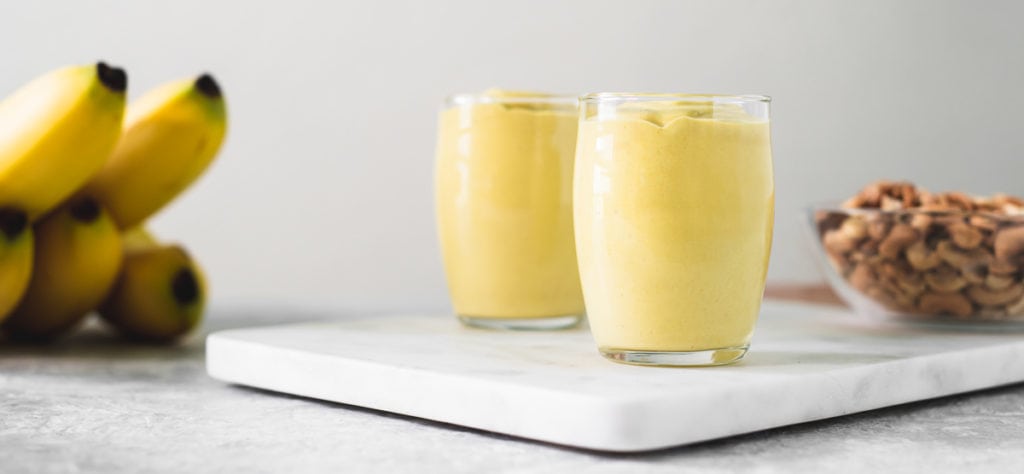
(504, 205)
(674, 215)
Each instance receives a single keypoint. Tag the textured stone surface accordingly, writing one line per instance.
(95, 404)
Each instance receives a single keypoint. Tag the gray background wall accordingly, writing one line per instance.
(322, 195)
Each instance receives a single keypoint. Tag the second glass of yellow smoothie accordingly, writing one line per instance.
(674, 208)
(503, 186)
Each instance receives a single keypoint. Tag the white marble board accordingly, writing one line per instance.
(806, 363)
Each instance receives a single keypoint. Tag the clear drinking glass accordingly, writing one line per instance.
(503, 187)
(674, 208)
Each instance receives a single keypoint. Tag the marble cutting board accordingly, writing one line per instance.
(806, 363)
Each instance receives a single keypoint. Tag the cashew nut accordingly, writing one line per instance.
(965, 236)
(1000, 267)
(871, 259)
(911, 284)
(900, 237)
(945, 303)
(998, 282)
(890, 204)
(960, 201)
(921, 257)
(1016, 309)
(893, 270)
(960, 259)
(974, 274)
(920, 221)
(862, 276)
(1008, 204)
(828, 220)
(987, 297)
(854, 228)
(984, 222)
(951, 255)
(944, 280)
(878, 229)
(909, 193)
(836, 241)
(1009, 244)
(868, 247)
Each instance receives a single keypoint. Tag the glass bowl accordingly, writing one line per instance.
(960, 268)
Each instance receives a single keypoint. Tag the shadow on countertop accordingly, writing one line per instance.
(94, 339)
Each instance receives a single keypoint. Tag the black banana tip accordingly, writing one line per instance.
(12, 222)
(208, 86)
(113, 77)
(85, 209)
(185, 287)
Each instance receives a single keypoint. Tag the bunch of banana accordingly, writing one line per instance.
(75, 188)
(15, 257)
(78, 254)
(55, 133)
(160, 293)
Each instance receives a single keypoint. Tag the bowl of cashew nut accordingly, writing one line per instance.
(898, 251)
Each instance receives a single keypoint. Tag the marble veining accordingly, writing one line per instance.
(806, 363)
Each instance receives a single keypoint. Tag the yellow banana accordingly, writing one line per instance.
(138, 238)
(15, 258)
(77, 256)
(159, 295)
(171, 134)
(56, 132)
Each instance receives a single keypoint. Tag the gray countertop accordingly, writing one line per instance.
(93, 403)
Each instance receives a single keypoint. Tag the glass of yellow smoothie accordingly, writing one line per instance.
(503, 183)
(674, 208)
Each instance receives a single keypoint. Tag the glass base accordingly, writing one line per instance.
(523, 324)
(725, 355)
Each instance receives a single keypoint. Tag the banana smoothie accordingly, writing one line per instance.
(674, 213)
(504, 208)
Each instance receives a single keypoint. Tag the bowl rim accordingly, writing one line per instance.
(832, 206)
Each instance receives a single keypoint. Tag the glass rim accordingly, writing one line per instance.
(471, 98)
(674, 96)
